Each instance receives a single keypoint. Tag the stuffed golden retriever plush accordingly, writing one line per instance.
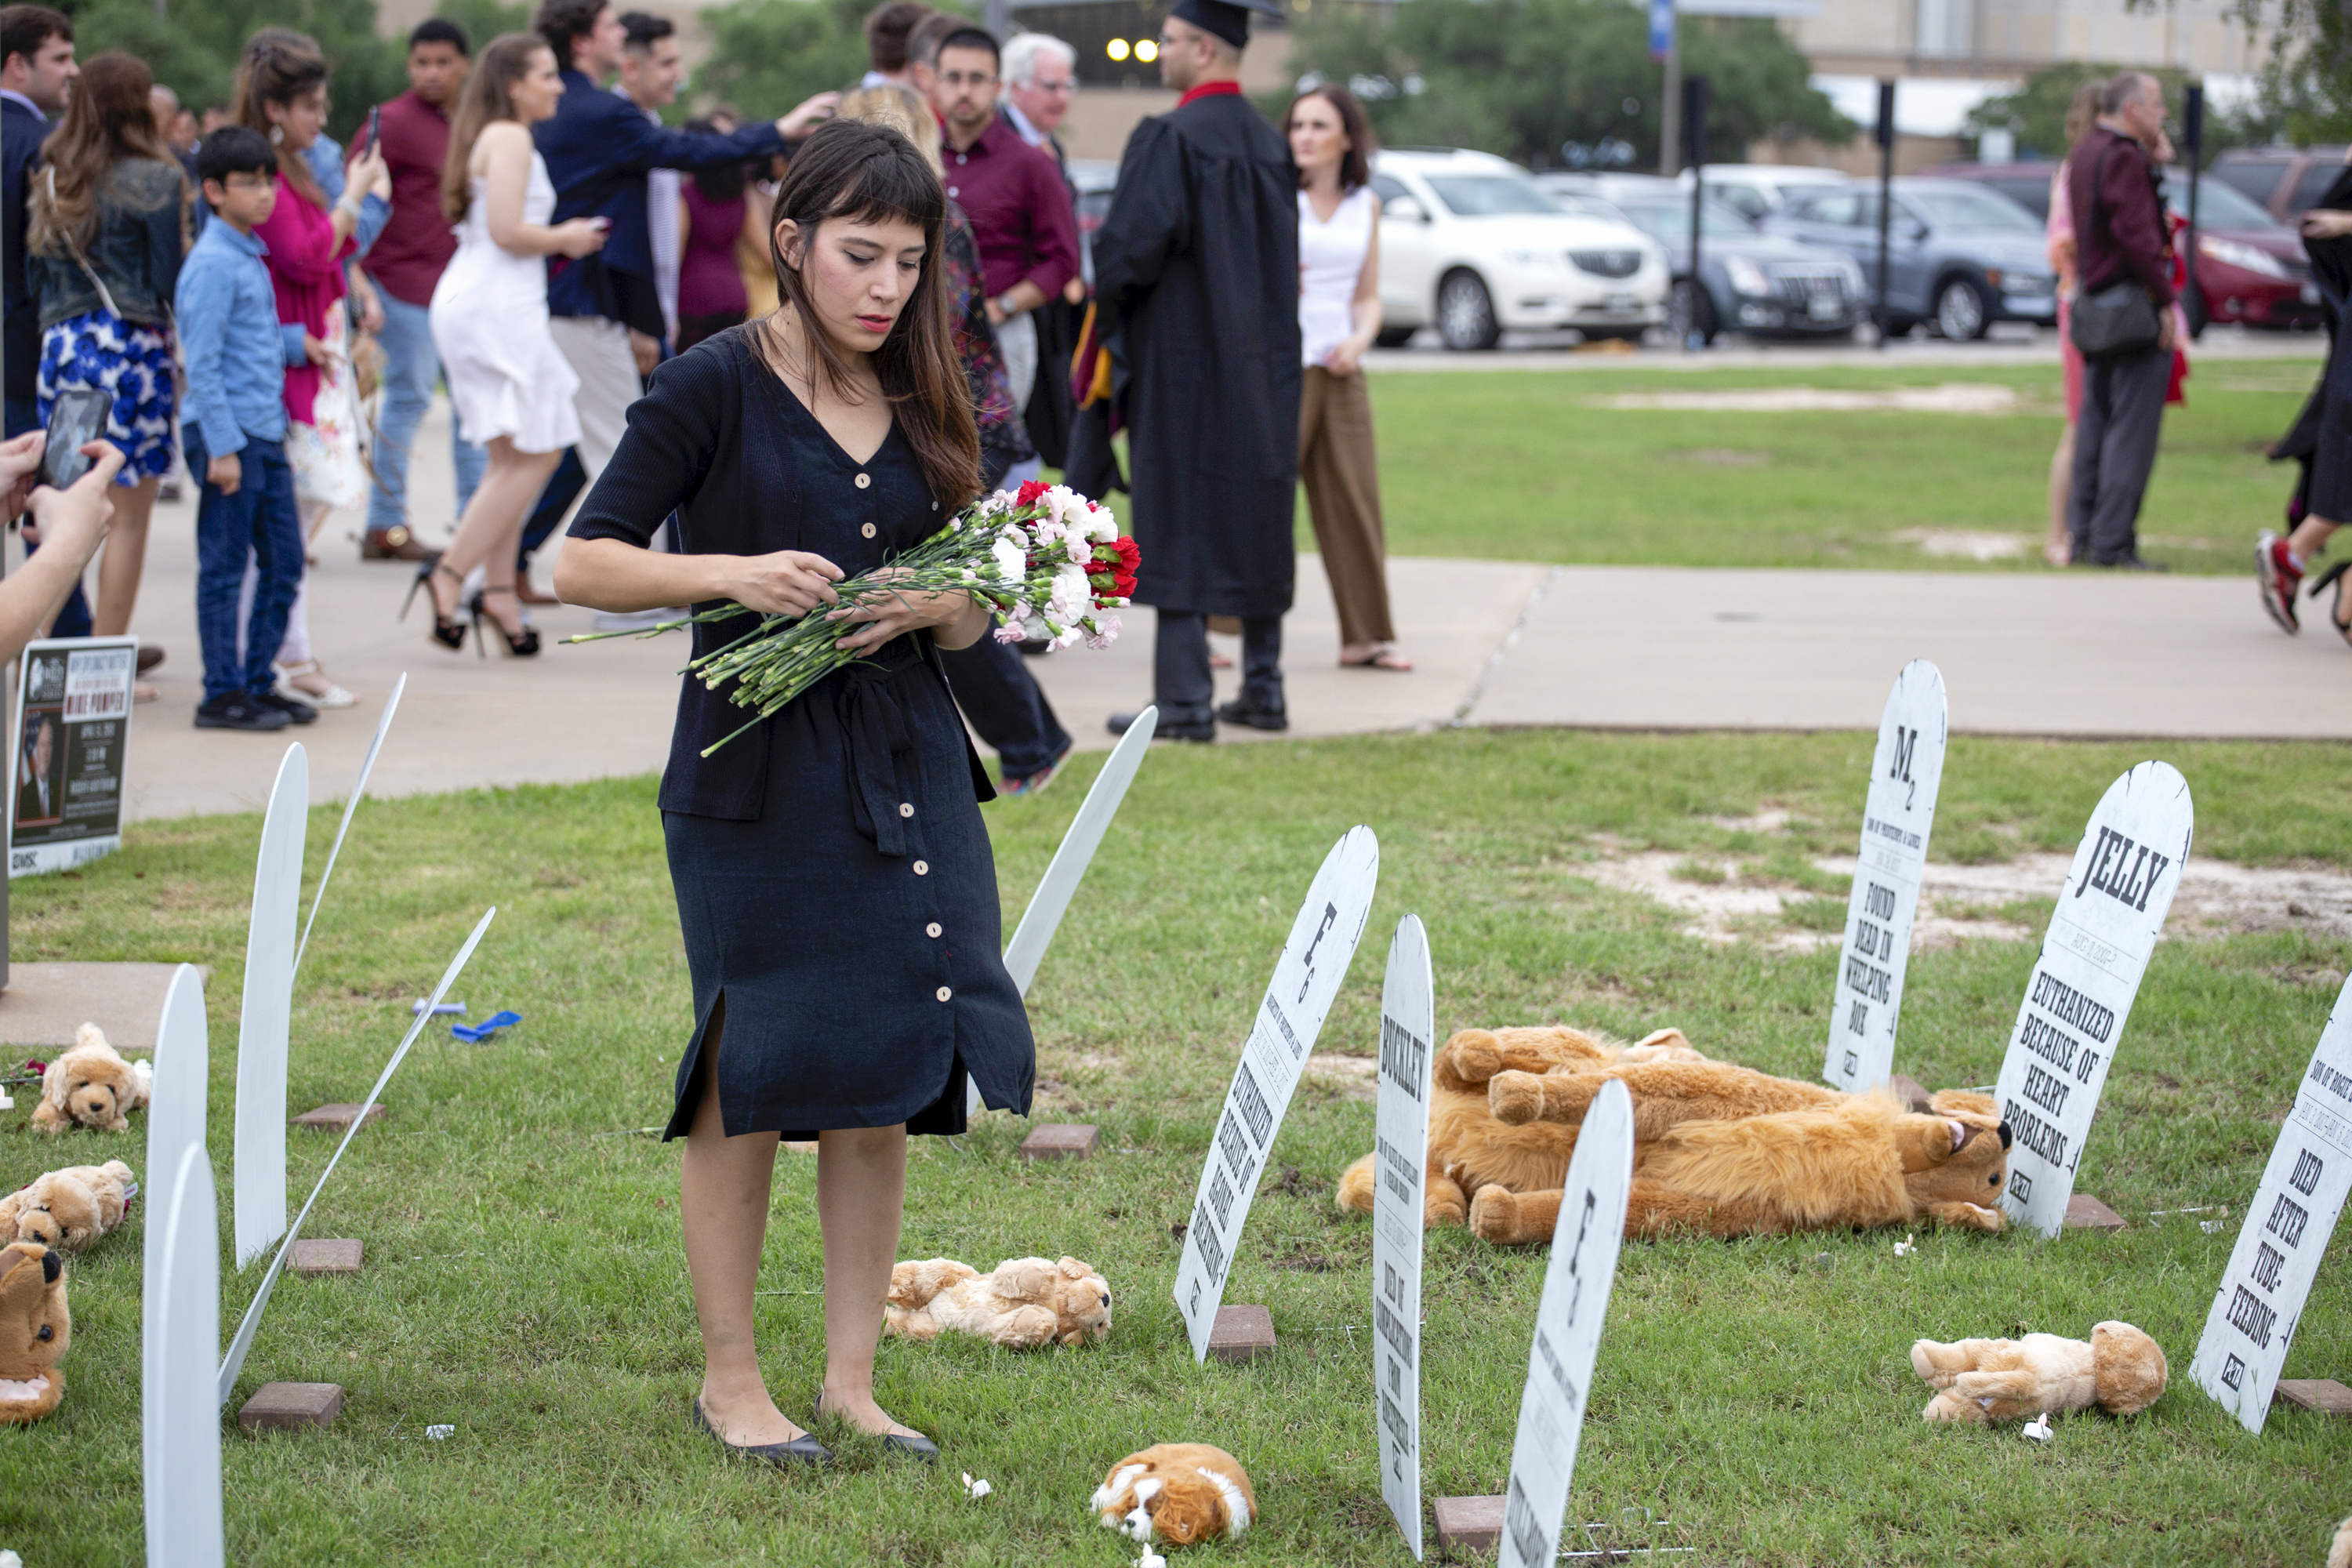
(1469, 1149)
(91, 1086)
(1666, 1094)
(2119, 1369)
(1024, 1303)
(68, 1208)
(1177, 1492)
(35, 1328)
(1857, 1161)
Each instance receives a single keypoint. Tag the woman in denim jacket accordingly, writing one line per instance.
(108, 227)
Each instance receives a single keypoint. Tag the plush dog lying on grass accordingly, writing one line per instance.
(1719, 1149)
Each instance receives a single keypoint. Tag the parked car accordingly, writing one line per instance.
(1753, 190)
(1473, 246)
(2250, 266)
(1750, 280)
(1958, 255)
(2285, 181)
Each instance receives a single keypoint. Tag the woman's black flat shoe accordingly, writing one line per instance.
(801, 1450)
(914, 1445)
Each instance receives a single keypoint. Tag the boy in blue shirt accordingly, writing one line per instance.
(234, 427)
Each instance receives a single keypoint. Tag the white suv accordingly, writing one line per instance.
(1473, 246)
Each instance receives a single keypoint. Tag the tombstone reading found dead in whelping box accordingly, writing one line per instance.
(1897, 814)
(2071, 1017)
(1399, 1175)
(1305, 982)
(2284, 1234)
(264, 1020)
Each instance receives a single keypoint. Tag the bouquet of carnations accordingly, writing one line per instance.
(1049, 565)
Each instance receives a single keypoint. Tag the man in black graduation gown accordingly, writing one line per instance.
(1196, 275)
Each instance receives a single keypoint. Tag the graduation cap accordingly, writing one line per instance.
(1226, 19)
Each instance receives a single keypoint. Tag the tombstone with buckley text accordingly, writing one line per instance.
(2286, 1230)
(1897, 812)
(2101, 936)
(1305, 982)
(1400, 1173)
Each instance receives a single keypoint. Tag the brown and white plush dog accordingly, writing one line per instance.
(34, 1329)
(68, 1208)
(1024, 1303)
(91, 1086)
(2119, 1369)
(1177, 1492)
(1469, 1148)
(1857, 1162)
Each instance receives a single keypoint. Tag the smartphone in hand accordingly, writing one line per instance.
(76, 419)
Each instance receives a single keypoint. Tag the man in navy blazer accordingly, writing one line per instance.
(37, 69)
(598, 147)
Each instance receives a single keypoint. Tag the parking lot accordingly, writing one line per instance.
(2006, 343)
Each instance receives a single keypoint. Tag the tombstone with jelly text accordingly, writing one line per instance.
(2072, 1019)
(1305, 982)
(1401, 1151)
(1897, 814)
(2285, 1233)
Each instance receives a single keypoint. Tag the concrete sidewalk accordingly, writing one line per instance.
(2074, 654)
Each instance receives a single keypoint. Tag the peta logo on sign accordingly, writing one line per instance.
(2125, 871)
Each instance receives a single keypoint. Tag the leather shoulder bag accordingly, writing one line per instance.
(2119, 319)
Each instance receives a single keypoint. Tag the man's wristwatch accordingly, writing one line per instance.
(1005, 307)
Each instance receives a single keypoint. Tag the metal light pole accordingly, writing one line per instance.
(2192, 142)
(1695, 111)
(1885, 133)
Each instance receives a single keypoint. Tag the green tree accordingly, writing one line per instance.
(193, 49)
(2036, 112)
(1521, 78)
(768, 55)
(2305, 83)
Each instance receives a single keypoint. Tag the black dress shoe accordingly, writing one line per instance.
(237, 711)
(296, 711)
(1199, 730)
(914, 1445)
(801, 1450)
(1242, 711)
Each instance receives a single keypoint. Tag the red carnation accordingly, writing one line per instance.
(1031, 492)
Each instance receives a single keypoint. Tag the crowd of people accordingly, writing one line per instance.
(275, 311)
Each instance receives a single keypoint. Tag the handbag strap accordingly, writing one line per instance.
(49, 172)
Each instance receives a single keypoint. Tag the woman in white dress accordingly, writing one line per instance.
(510, 385)
(1339, 317)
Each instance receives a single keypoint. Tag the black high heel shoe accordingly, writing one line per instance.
(450, 633)
(914, 1445)
(523, 647)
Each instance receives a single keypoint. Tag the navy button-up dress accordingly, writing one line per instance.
(835, 881)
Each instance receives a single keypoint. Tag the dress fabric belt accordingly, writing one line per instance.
(875, 727)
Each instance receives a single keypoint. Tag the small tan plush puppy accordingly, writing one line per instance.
(91, 1086)
(1024, 1303)
(1177, 1492)
(68, 1208)
(2118, 1368)
(35, 1328)
(1469, 1148)
(2340, 1554)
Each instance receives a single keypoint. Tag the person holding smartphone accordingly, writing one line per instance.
(71, 522)
(511, 386)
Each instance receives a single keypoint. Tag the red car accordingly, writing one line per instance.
(2250, 266)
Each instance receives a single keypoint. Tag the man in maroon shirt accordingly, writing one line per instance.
(405, 262)
(1014, 193)
(2120, 238)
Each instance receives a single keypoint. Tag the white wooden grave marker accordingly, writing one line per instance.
(1897, 814)
(1577, 1282)
(1306, 981)
(1401, 1151)
(367, 766)
(2285, 1233)
(234, 1362)
(1043, 918)
(2113, 905)
(265, 1017)
(176, 1124)
(180, 1438)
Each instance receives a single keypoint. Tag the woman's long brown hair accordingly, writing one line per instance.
(278, 65)
(107, 119)
(487, 96)
(852, 169)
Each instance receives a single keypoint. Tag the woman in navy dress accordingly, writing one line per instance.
(835, 882)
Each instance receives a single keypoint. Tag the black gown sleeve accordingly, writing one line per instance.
(664, 455)
(1147, 222)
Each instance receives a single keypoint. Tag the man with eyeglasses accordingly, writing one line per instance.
(1196, 287)
(1020, 210)
(1040, 79)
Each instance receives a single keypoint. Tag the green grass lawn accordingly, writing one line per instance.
(1537, 466)
(525, 1282)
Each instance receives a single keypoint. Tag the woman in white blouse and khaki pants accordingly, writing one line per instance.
(1339, 316)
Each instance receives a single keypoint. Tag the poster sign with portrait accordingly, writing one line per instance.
(65, 753)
